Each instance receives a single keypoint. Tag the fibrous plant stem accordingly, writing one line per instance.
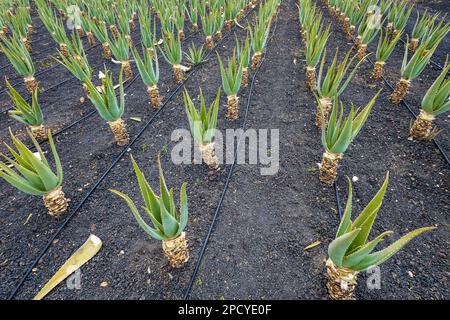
(56, 202)
(176, 251)
(400, 91)
(328, 167)
(209, 155)
(341, 282)
(256, 60)
(178, 73)
(325, 102)
(233, 107)
(153, 93)
(422, 127)
(31, 83)
(311, 78)
(39, 132)
(120, 132)
(377, 71)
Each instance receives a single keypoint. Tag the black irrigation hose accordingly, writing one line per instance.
(104, 175)
(224, 191)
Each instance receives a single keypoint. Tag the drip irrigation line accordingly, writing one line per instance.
(105, 174)
(227, 182)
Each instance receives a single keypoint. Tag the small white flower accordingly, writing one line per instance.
(355, 178)
(101, 75)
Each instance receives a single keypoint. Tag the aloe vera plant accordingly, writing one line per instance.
(77, 64)
(147, 35)
(179, 15)
(436, 34)
(33, 174)
(330, 86)
(230, 14)
(317, 38)
(120, 48)
(398, 17)
(231, 82)
(423, 23)
(108, 107)
(20, 26)
(259, 35)
(435, 102)
(31, 115)
(203, 125)
(192, 14)
(209, 28)
(174, 55)
(195, 56)
(101, 33)
(351, 252)
(411, 69)
(20, 58)
(367, 33)
(149, 71)
(244, 57)
(337, 136)
(168, 225)
(386, 46)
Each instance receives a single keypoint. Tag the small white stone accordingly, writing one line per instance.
(411, 274)
(355, 178)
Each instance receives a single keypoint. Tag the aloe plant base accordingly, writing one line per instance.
(233, 107)
(120, 132)
(30, 83)
(244, 80)
(256, 60)
(127, 70)
(377, 72)
(326, 104)
(401, 89)
(39, 132)
(422, 127)
(329, 167)
(107, 53)
(311, 78)
(56, 202)
(176, 251)
(209, 155)
(341, 282)
(178, 73)
(153, 93)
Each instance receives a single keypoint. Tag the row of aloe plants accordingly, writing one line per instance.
(350, 252)
(427, 34)
(32, 173)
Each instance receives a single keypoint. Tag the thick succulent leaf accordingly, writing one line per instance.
(346, 218)
(183, 209)
(170, 224)
(367, 217)
(339, 246)
(383, 255)
(149, 230)
(150, 199)
(355, 257)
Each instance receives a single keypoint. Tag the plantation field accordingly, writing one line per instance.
(247, 232)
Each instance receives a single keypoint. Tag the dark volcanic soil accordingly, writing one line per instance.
(257, 246)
